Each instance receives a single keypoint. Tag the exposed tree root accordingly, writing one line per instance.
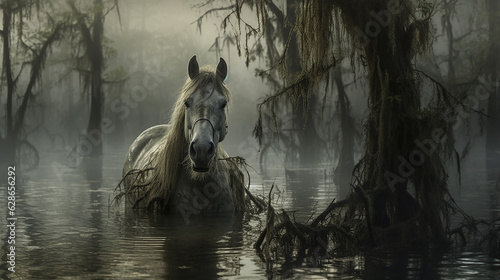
(344, 228)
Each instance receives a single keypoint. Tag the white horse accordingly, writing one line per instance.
(182, 166)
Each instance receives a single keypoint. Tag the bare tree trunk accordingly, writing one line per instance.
(303, 113)
(451, 41)
(394, 124)
(346, 161)
(8, 145)
(7, 18)
(345, 165)
(307, 134)
(96, 67)
(492, 72)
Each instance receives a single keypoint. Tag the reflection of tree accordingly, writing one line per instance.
(203, 248)
(303, 188)
(395, 265)
(62, 232)
(93, 245)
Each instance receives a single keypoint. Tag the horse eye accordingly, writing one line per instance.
(223, 105)
(186, 103)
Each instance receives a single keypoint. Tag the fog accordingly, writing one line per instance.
(146, 48)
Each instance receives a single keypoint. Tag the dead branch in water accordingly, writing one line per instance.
(288, 238)
(345, 228)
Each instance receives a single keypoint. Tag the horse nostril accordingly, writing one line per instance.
(211, 150)
(192, 151)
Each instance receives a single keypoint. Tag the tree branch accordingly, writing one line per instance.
(36, 69)
(211, 11)
(277, 12)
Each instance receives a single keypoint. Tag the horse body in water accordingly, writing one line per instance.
(181, 166)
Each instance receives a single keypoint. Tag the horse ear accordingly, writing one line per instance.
(222, 69)
(193, 67)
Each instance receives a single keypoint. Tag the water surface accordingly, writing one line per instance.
(66, 229)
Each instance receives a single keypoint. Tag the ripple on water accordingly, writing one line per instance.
(67, 231)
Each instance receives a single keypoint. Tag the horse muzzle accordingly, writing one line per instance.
(201, 154)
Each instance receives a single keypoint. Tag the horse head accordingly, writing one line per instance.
(205, 115)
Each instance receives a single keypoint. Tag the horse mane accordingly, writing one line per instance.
(165, 167)
(152, 186)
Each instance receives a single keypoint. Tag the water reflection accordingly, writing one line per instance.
(214, 253)
(309, 190)
(303, 186)
(343, 180)
(94, 246)
(67, 230)
(92, 168)
(207, 248)
(402, 265)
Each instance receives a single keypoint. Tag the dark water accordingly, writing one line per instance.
(66, 229)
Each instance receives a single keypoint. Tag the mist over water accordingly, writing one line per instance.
(70, 228)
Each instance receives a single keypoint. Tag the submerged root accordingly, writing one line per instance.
(344, 228)
(334, 231)
(469, 228)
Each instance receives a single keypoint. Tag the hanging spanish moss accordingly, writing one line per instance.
(399, 191)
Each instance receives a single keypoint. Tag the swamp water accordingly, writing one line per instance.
(66, 229)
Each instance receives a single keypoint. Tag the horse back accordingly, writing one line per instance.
(144, 148)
